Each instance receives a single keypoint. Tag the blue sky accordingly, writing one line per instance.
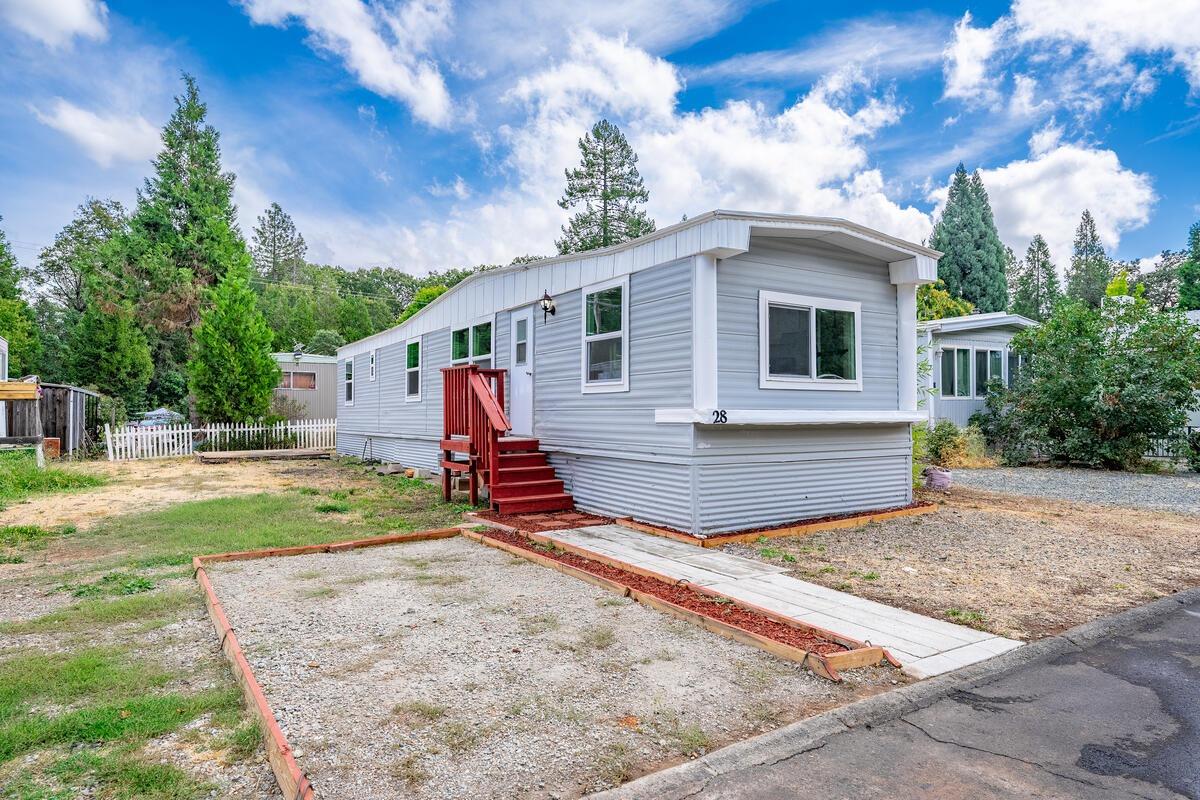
(434, 134)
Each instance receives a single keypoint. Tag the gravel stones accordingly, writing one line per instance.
(447, 669)
(1176, 492)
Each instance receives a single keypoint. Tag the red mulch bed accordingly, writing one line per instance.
(680, 595)
(717, 537)
(545, 521)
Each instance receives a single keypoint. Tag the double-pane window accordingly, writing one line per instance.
(605, 337)
(808, 343)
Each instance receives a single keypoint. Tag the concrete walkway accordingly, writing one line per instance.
(1110, 710)
(923, 645)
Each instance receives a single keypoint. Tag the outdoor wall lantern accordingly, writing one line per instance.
(297, 352)
(547, 303)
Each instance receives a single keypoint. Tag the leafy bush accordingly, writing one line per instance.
(952, 447)
(920, 451)
(1098, 385)
(942, 441)
(1193, 451)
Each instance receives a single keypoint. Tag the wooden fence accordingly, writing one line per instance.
(167, 441)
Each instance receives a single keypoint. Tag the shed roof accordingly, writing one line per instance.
(305, 358)
(974, 322)
(722, 234)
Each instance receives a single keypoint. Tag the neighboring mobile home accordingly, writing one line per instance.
(311, 381)
(731, 371)
(965, 354)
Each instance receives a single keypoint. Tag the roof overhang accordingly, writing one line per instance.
(976, 322)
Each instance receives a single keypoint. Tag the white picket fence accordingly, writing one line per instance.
(167, 441)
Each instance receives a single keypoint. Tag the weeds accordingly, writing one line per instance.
(974, 619)
(335, 507)
(114, 584)
(419, 710)
(409, 770)
(542, 623)
(460, 737)
(242, 742)
(99, 612)
(597, 637)
(614, 766)
(20, 478)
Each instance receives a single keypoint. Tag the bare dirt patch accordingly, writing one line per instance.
(1020, 567)
(447, 669)
(136, 486)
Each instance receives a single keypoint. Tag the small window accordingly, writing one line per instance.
(988, 367)
(521, 347)
(1016, 363)
(300, 380)
(956, 372)
(605, 338)
(372, 371)
(472, 345)
(413, 370)
(808, 342)
(285, 380)
(350, 381)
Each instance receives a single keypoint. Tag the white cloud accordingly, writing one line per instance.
(809, 158)
(965, 62)
(885, 48)
(1046, 138)
(1048, 192)
(457, 189)
(56, 23)
(106, 138)
(386, 48)
(1114, 30)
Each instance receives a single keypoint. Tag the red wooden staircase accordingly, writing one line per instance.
(515, 471)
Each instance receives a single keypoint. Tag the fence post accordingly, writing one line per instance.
(108, 441)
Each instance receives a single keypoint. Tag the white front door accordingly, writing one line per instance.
(520, 372)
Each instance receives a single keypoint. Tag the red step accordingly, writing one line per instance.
(525, 505)
(525, 474)
(513, 491)
(535, 459)
(518, 444)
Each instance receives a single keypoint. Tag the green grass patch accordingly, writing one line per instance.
(64, 677)
(6, 558)
(134, 720)
(99, 612)
(20, 478)
(974, 619)
(123, 776)
(113, 584)
(14, 535)
(336, 507)
(243, 741)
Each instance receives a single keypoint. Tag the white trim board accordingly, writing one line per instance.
(731, 416)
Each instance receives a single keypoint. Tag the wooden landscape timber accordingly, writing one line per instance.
(293, 454)
(858, 654)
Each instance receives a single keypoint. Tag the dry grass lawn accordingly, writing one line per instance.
(1017, 566)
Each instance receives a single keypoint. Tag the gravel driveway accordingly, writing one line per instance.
(1179, 492)
(446, 669)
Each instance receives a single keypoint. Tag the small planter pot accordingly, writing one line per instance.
(937, 478)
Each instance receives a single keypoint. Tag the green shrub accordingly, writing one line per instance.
(943, 439)
(1193, 451)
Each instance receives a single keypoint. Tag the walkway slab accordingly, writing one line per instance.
(923, 645)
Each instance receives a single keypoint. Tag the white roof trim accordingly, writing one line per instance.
(719, 233)
(973, 322)
(306, 358)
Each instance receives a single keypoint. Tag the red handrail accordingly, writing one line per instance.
(473, 406)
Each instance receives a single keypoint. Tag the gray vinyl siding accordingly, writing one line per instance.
(653, 491)
(805, 267)
(659, 364)
(959, 409)
(319, 403)
(774, 475)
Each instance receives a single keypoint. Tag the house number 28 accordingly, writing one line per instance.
(720, 417)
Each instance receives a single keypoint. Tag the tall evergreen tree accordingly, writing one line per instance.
(183, 238)
(77, 254)
(277, 247)
(232, 374)
(609, 187)
(1189, 272)
(1035, 282)
(973, 266)
(108, 350)
(11, 273)
(1091, 269)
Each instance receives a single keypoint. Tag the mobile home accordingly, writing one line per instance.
(732, 371)
(310, 381)
(964, 355)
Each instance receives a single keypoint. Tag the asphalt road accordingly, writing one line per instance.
(1108, 710)
(1118, 719)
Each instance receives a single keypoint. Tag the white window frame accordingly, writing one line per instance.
(413, 398)
(287, 381)
(768, 381)
(472, 357)
(348, 381)
(970, 373)
(604, 387)
(372, 370)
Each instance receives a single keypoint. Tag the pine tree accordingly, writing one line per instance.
(973, 264)
(11, 273)
(1035, 283)
(608, 186)
(77, 254)
(277, 247)
(1189, 272)
(1090, 269)
(183, 238)
(17, 322)
(232, 374)
(109, 351)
